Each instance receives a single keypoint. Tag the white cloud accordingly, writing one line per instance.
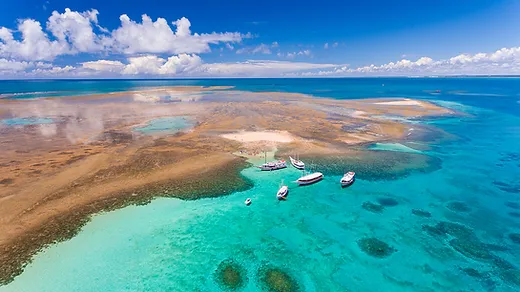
(157, 37)
(104, 66)
(335, 45)
(260, 49)
(35, 44)
(503, 61)
(10, 66)
(292, 55)
(73, 32)
(256, 68)
(326, 46)
(75, 28)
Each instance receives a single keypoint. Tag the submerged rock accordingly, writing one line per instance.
(375, 208)
(455, 229)
(276, 280)
(515, 237)
(513, 205)
(230, 275)
(514, 214)
(471, 249)
(387, 202)
(458, 207)
(474, 273)
(375, 247)
(511, 276)
(421, 213)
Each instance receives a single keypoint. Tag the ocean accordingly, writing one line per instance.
(452, 227)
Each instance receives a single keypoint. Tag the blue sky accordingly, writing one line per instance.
(267, 38)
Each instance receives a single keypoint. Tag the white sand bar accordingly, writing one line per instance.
(271, 136)
(401, 102)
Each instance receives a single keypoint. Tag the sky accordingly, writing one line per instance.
(191, 39)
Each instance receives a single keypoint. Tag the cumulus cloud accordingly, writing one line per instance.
(35, 44)
(104, 66)
(326, 46)
(73, 32)
(13, 66)
(158, 37)
(503, 61)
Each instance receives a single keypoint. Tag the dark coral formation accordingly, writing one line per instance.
(387, 202)
(474, 273)
(375, 208)
(230, 275)
(471, 249)
(515, 237)
(513, 205)
(514, 214)
(375, 247)
(508, 187)
(421, 213)
(276, 280)
(458, 207)
(511, 276)
(377, 165)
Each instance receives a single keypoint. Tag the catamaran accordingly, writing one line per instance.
(297, 163)
(310, 178)
(282, 193)
(348, 179)
(273, 165)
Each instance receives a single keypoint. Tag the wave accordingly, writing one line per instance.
(8, 95)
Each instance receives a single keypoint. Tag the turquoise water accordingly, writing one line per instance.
(392, 147)
(173, 245)
(26, 121)
(169, 125)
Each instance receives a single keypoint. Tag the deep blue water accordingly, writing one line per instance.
(464, 243)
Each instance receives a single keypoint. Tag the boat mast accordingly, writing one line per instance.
(265, 156)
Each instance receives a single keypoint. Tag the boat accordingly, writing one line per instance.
(297, 163)
(282, 193)
(310, 178)
(348, 179)
(274, 165)
(248, 201)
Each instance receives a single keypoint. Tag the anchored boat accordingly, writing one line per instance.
(297, 163)
(310, 178)
(282, 193)
(248, 202)
(274, 165)
(348, 179)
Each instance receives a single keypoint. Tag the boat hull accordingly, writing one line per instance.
(266, 168)
(305, 183)
(296, 165)
(347, 183)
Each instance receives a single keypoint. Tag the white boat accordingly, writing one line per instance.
(297, 163)
(282, 193)
(310, 178)
(348, 179)
(274, 165)
(248, 201)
